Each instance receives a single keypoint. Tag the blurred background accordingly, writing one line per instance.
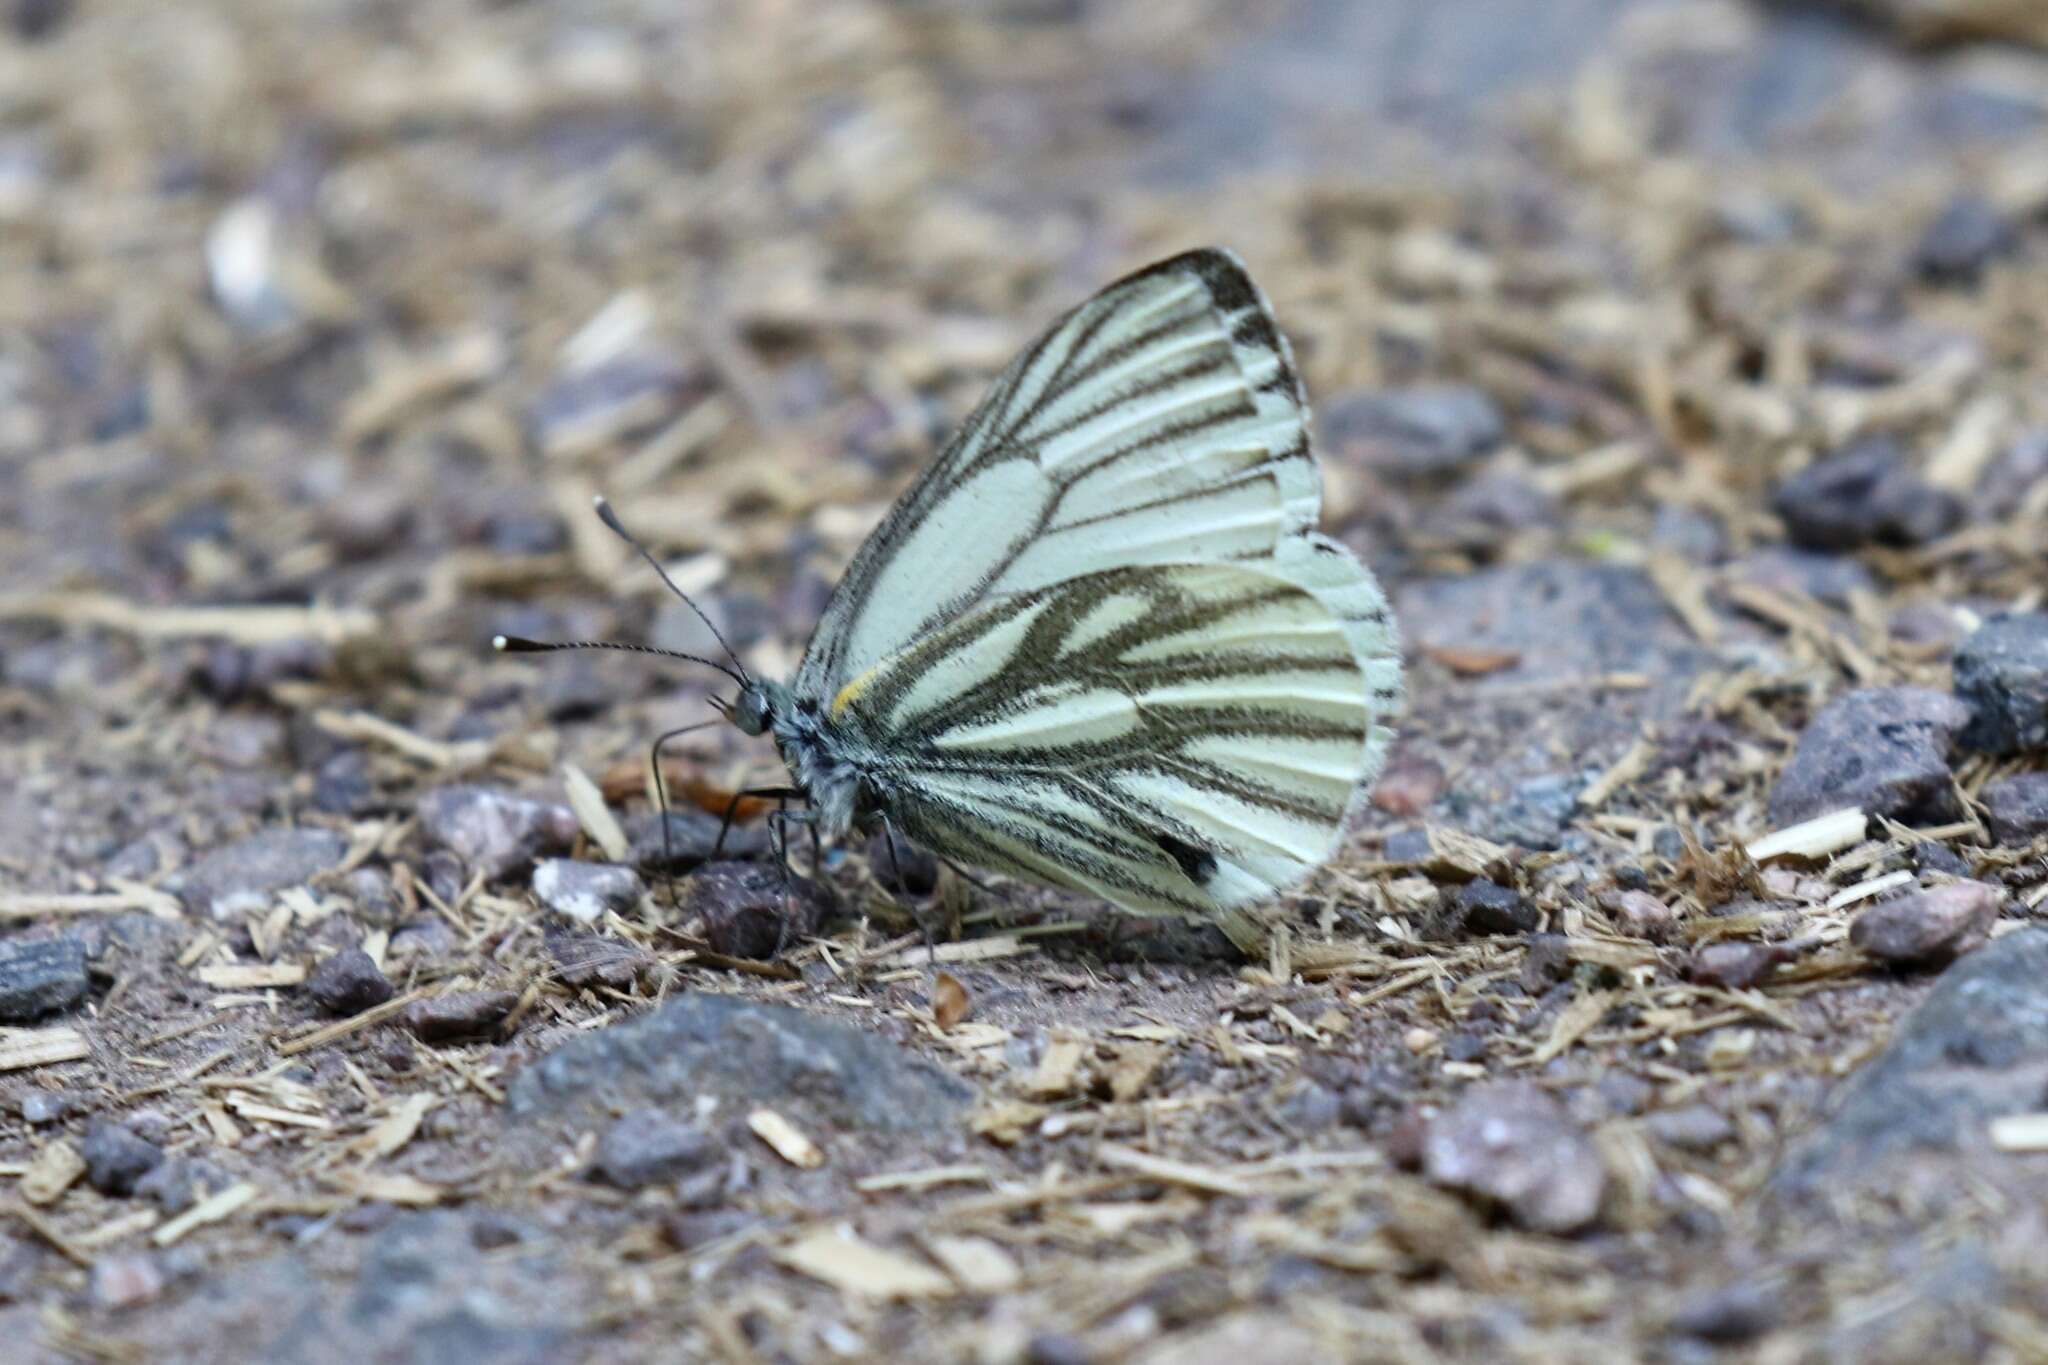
(344, 308)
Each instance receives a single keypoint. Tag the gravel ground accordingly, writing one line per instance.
(1681, 367)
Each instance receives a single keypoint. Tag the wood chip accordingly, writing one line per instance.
(924, 1178)
(241, 976)
(392, 1187)
(1865, 890)
(131, 896)
(861, 1268)
(593, 814)
(271, 1113)
(976, 1264)
(1574, 1022)
(364, 728)
(1058, 1070)
(52, 1172)
(328, 1033)
(963, 950)
(786, 1138)
(253, 625)
(1165, 1170)
(1812, 839)
(950, 1002)
(396, 1128)
(211, 1210)
(1134, 1069)
(21, 1048)
(2020, 1133)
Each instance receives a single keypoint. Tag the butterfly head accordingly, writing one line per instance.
(754, 710)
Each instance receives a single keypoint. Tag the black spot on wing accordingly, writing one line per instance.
(1197, 864)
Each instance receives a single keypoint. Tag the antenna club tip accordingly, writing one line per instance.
(500, 643)
(600, 502)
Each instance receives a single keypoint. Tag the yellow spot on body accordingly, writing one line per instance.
(851, 692)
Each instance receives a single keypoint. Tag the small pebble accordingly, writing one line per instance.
(39, 1107)
(1511, 1142)
(465, 1014)
(1735, 966)
(125, 1281)
(245, 877)
(177, 1183)
(1692, 1128)
(2001, 675)
(1730, 1315)
(1638, 913)
(584, 892)
(648, 1147)
(1929, 928)
(753, 910)
(692, 834)
(588, 961)
(2018, 807)
(1966, 236)
(41, 976)
(1885, 749)
(492, 831)
(348, 982)
(1487, 907)
(115, 1158)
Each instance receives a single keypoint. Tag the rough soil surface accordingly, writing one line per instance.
(1682, 368)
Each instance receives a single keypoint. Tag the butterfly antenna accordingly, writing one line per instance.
(618, 528)
(514, 644)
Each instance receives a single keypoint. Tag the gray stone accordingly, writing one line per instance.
(1734, 965)
(692, 835)
(1536, 812)
(178, 1182)
(2001, 673)
(426, 1294)
(492, 831)
(1731, 1314)
(1863, 495)
(1693, 1128)
(587, 960)
(2018, 807)
(348, 982)
(1485, 907)
(1513, 1143)
(458, 1016)
(39, 1107)
(747, 1054)
(648, 1147)
(1966, 236)
(126, 1281)
(1974, 1050)
(754, 910)
(1826, 578)
(585, 891)
(1417, 433)
(116, 1159)
(1884, 749)
(1638, 912)
(242, 877)
(40, 977)
(1929, 928)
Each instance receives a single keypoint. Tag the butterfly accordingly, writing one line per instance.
(1100, 644)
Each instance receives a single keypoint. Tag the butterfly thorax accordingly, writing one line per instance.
(831, 764)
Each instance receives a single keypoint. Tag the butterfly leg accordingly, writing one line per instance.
(725, 824)
(779, 822)
(924, 927)
(668, 859)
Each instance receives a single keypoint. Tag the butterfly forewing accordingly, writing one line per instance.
(1161, 421)
(1170, 738)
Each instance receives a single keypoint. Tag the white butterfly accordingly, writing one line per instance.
(1099, 643)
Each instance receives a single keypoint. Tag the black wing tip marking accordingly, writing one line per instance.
(1198, 865)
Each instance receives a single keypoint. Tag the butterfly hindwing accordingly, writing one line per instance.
(1170, 738)
(1160, 421)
